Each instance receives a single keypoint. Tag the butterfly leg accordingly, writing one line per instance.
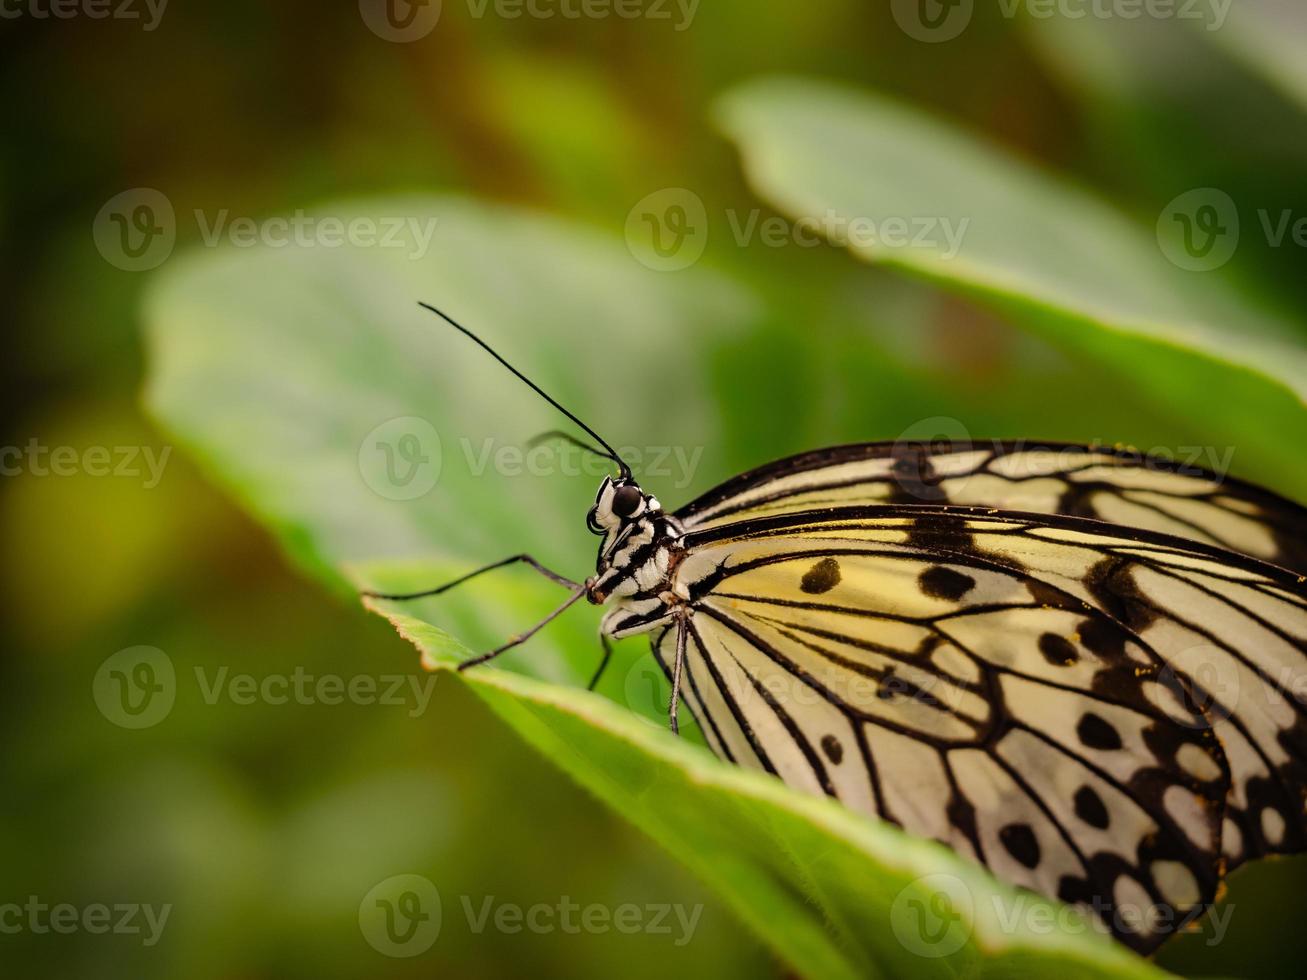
(682, 634)
(603, 664)
(523, 637)
(525, 559)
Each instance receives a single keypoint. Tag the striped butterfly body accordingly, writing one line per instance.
(1082, 668)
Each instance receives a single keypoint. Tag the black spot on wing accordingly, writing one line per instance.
(1047, 595)
(821, 577)
(1058, 650)
(833, 749)
(939, 582)
(1097, 733)
(962, 815)
(1020, 841)
(1291, 546)
(1090, 808)
(1103, 637)
(1112, 585)
(1075, 891)
(1077, 500)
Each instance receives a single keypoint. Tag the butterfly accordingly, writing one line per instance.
(1082, 667)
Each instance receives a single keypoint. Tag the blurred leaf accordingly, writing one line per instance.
(1052, 258)
(92, 459)
(343, 349)
(1166, 110)
(585, 145)
(276, 367)
(1270, 38)
(830, 891)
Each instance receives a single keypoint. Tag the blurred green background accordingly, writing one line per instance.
(246, 819)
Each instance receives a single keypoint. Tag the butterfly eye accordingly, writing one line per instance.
(626, 500)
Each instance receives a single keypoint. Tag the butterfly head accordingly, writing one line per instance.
(618, 503)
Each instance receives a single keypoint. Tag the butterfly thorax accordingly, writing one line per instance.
(637, 561)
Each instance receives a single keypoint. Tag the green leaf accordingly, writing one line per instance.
(1051, 258)
(277, 366)
(1269, 37)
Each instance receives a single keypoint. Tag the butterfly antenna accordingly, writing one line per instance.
(609, 451)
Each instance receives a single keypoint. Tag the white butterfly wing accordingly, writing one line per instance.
(1119, 486)
(1103, 715)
